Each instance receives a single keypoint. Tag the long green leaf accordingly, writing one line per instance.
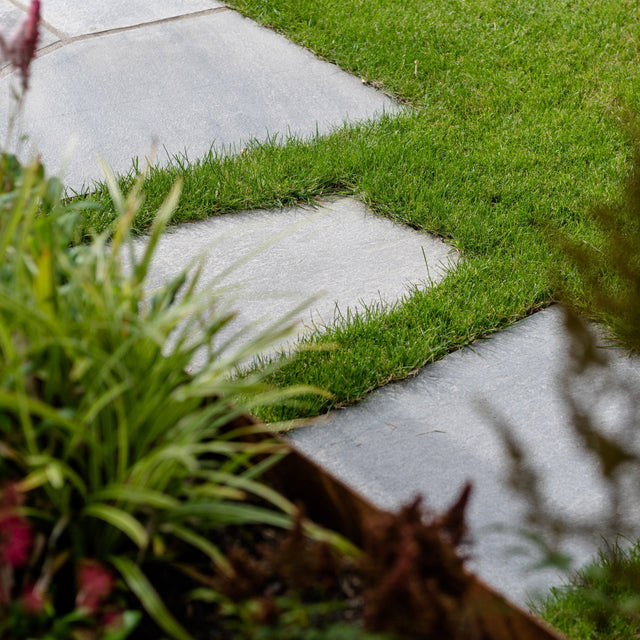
(199, 542)
(15, 401)
(222, 512)
(136, 495)
(50, 471)
(251, 486)
(121, 520)
(148, 596)
(104, 400)
(216, 492)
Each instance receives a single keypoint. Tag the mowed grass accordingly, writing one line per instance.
(516, 128)
(600, 601)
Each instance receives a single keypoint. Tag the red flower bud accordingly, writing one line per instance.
(15, 540)
(95, 583)
(15, 531)
(21, 49)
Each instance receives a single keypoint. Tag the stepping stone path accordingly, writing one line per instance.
(124, 78)
(121, 80)
(432, 433)
(340, 252)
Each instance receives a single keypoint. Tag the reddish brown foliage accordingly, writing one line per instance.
(410, 580)
(414, 580)
(293, 563)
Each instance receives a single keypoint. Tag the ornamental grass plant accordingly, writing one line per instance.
(110, 452)
(126, 482)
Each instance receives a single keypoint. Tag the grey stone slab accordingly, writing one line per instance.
(184, 85)
(80, 17)
(10, 15)
(431, 434)
(339, 252)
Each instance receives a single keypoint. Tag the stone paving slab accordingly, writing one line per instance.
(430, 435)
(10, 15)
(81, 17)
(182, 86)
(340, 252)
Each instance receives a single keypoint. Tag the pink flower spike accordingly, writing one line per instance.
(22, 48)
(15, 540)
(33, 600)
(95, 583)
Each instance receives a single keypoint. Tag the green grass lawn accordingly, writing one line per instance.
(601, 601)
(516, 129)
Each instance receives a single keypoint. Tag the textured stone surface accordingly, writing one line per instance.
(432, 433)
(214, 79)
(10, 15)
(340, 251)
(80, 17)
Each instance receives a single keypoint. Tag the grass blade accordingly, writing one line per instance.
(121, 520)
(136, 495)
(148, 596)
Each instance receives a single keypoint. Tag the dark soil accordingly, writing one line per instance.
(274, 571)
(409, 581)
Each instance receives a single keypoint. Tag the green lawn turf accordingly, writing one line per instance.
(515, 128)
(601, 601)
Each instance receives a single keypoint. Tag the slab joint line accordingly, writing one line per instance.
(65, 40)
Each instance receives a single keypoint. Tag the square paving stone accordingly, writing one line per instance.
(182, 86)
(340, 252)
(81, 17)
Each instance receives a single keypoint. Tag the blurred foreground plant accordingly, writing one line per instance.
(603, 405)
(19, 50)
(609, 273)
(114, 450)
